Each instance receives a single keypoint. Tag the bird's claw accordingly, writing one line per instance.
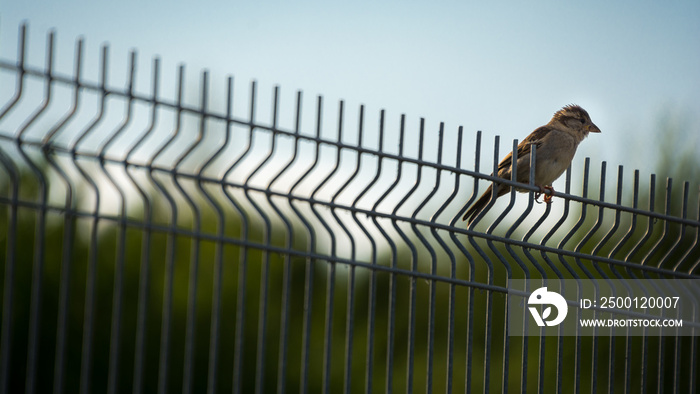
(547, 197)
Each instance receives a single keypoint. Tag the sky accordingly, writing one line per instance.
(500, 68)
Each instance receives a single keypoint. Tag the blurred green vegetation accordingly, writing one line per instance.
(304, 274)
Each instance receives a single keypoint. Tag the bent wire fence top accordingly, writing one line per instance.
(152, 244)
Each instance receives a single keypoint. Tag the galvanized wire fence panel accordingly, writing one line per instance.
(156, 245)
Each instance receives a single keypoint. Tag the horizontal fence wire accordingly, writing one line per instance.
(152, 244)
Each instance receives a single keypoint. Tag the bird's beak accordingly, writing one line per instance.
(592, 128)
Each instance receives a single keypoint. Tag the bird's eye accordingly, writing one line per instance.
(582, 121)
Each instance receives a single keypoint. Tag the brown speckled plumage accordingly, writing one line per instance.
(556, 144)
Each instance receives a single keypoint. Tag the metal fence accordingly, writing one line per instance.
(156, 245)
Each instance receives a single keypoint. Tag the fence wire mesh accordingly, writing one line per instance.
(192, 242)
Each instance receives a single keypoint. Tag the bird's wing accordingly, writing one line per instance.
(524, 147)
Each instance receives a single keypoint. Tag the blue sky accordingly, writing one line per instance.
(502, 68)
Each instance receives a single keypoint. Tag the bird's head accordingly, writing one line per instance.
(575, 119)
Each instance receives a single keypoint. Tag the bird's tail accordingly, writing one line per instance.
(480, 204)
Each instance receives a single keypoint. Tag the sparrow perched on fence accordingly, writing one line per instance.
(556, 144)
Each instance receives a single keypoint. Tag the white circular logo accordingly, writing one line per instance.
(543, 297)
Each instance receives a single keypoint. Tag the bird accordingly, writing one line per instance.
(556, 144)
